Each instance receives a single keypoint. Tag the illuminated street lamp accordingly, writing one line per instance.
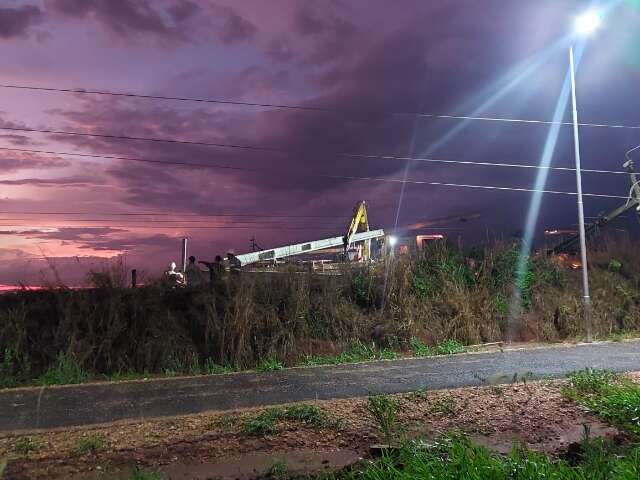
(585, 25)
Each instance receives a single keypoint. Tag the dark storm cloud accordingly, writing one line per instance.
(234, 28)
(15, 22)
(434, 60)
(95, 238)
(13, 161)
(54, 182)
(122, 16)
(17, 140)
(142, 17)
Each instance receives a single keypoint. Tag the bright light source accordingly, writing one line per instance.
(588, 22)
(393, 240)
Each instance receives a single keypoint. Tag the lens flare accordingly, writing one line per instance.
(522, 266)
(588, 22)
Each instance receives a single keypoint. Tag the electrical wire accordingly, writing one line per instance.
(167, 214)
(355, 178)
(311, 108)
(350, 155)
(187, 227)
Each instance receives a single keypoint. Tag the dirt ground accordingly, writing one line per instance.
(214, 445)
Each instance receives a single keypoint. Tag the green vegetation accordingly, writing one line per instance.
(12, 370)
(265, 422)
(458, 458)
(141, 474)
(225, 422)
(384, 410)
(89, 444)
(212, 368)
(66, 370)
(448, 296)
(355, 352)
(445, 406)
(614, 398)
(448, 347)
(128, 375)
(270, 365)
(25, 445)
(278, 470)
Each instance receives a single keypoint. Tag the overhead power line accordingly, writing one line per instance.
(185, 227)
(349, 155)
(310, 108)
(168, 214)
(345, 177)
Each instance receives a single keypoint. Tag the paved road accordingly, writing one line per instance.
(54, 407)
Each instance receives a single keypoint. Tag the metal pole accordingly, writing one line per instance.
(184, 255)
(586, 299)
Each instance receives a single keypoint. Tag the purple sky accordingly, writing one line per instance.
(364, 59)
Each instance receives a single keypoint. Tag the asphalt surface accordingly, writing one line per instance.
(66, 406)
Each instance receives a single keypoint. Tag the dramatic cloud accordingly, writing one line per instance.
(16, 22)
(123, 17)
(365, 69)
(53, 182)
(169, 22)
(14, 161)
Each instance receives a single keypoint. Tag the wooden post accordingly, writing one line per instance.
(134, 278)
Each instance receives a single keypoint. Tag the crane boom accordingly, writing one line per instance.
(306, 247)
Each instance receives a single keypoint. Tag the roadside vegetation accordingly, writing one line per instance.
(266, 422)
(456, 457)
(614, 398)
(430, 304)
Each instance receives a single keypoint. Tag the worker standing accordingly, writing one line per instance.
(193, 274)
(234, 263)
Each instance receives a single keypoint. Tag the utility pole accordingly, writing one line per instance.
(254, 245)
(586, 298)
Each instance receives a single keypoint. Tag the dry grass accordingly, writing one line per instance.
(243, 321)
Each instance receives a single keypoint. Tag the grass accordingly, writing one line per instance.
(279, 470)
(142, 474)
(89, 444)
(210, 367)
(270, 365)
(445, 406)
(355, 352)
(614, 398)
(458, 458)
(448, 347)
(265, 423)
(462, 296)
(26, 445)
(66, 370)
(384, 410)
(128, 375)
(225, 422)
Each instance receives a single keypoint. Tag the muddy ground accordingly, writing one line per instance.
(214, 445)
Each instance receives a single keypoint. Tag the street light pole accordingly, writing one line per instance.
(586, 298)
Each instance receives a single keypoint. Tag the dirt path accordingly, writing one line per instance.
(214, 445)
(32, 408)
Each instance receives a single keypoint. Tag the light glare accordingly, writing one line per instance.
(588, 22)
(392, 240)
